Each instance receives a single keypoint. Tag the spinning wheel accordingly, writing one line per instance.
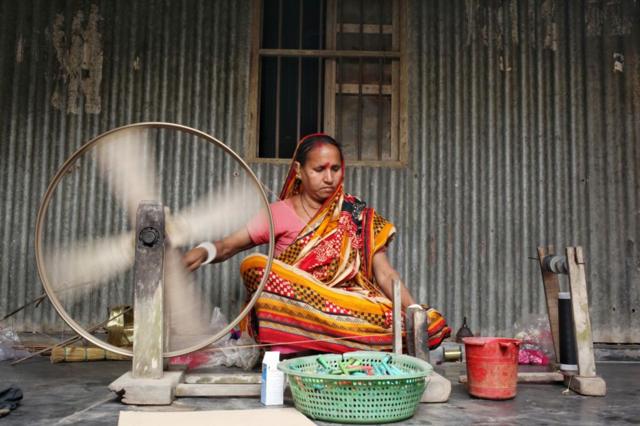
(121, 164)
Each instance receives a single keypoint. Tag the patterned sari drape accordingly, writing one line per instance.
(321, 292)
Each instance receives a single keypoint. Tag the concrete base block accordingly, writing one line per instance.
(438, 389)
(147, 391)
(588, 386)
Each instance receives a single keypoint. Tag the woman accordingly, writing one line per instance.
(331, 281)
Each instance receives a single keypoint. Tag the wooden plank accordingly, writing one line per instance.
(330, 80)
(328, 53)
(395, 111)
(395, 81)
(222, 378)
(551, 290)
(231, 416)
(388, 164)
(409, 329)
(254, 81)
(366, 29)
(417, 337)
(148, 311)
(580, 309)
(403, 92)
(397, 317)
(540, 377)
(531, 377)
(420, 334)
(579, 255)
(367, 89)
(225, 390)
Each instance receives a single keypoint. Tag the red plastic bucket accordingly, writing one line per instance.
(492, 366)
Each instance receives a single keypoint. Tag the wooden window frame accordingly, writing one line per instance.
(399, 113)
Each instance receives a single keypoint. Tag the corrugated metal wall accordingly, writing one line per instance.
(72, 70)
(525, 134)
(521, 133)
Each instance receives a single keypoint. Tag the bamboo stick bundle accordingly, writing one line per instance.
(81, 353)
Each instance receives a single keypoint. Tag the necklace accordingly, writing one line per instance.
(304, 208)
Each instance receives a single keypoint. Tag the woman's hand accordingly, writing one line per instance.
(225, 248)
(194, 258)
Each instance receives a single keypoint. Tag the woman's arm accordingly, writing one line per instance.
(385, 275)
(225, 248)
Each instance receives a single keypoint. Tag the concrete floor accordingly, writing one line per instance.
(76, 393)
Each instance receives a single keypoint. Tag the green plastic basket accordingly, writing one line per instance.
(356, 399)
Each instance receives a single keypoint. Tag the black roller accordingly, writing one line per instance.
(568, 357)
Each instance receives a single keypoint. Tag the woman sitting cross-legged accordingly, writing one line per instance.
(331, 281)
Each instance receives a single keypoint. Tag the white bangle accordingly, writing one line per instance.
(415, 305)
(212, 252)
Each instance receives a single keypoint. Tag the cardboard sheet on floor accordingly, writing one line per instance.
(266, 416)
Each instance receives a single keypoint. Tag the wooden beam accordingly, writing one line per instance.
(253, 127)
(330, 72)
(531, 377)
(420, 334)
(580, 308)
(367, 89)
(222, 378)
(366, 29)
(551, 290)
(225, 390)
(409, 329)
(148, 311)
(397, 317)
(315, 53)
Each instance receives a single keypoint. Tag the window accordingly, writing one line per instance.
(329, 65)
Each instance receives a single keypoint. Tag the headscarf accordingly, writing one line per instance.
(338, 243)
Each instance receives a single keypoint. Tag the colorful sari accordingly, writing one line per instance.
(321, 293)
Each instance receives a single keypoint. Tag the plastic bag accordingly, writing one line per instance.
(232, 350)
(9, 345)
(537, 342)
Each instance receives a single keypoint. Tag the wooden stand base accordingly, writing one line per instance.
(221, 385)
(438, 389)
(587, 386)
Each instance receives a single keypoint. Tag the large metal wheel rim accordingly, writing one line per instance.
(42, 211)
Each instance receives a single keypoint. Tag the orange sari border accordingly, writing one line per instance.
(322, 286)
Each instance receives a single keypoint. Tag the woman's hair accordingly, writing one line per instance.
(310, 142)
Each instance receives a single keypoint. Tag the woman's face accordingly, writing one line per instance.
(322, 172)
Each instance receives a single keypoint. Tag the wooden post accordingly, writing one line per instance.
(580, 309)
(409, 332)
(148, 328)
(397, 317)
(551, 290)
(416, 335)
(420, 335)
(586, 382)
